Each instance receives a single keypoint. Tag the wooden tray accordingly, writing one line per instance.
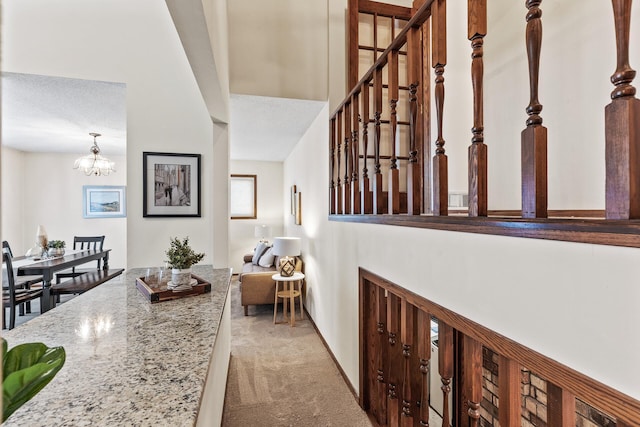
(159, 293)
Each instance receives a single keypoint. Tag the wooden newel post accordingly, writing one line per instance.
(440, 165)
(534, 137)
(477, 25)
(622, 128)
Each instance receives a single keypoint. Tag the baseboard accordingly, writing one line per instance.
(333, 357)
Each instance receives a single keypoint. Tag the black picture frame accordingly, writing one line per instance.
(171, 184)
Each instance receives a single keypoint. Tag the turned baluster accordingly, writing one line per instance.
(394, 368)
(332, 189)
(338, 182)
(473, 378)
(622, 128)
(439, 59)
(445, 367)
(378, 202)
(365, 192)
(382, 359)
(355, 154)
(346, 183)
(534, 137)
(424, 353)
(394, 173)
(477, 25)
(414, 166)
(407, 331)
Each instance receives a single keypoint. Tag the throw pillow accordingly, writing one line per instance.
(260, 249)
(266, 260)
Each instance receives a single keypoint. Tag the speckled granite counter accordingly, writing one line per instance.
(148, 369)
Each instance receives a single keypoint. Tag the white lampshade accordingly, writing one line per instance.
(286, 246)
(262, 231)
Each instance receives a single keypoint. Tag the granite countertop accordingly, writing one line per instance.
(148, 368)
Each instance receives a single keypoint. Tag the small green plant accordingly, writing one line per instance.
(181, 255)
(56, 244)
(27, 369)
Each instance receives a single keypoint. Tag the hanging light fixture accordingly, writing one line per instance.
(94, 163)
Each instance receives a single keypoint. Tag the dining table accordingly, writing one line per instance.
(47, 267)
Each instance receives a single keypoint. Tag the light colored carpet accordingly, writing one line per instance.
(283, 376)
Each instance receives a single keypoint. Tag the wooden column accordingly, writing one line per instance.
(425, 121)
(383, 355)
(439, 54)
(445, 367)
(424, 353)
(332, 189)
(338, 181)
(561, 406)
(353, 40)
(365, 192)
(378, 202)
(509, 392)
(473, 378)
(534, 137)
(622, 128)
(346, 183)
(477, 23)
(394, 367)
(355, 154)
(407, 319)
(394, 173)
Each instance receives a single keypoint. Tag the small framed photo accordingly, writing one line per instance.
(171, 185)
(243, 202)
(104, 201)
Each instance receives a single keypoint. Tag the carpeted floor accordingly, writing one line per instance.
(283, 376)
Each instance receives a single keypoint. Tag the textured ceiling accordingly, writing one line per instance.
(265, 128)
(56, 114)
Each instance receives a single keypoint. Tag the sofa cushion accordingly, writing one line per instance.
(248, 267)
(266, 260)
(260, 249)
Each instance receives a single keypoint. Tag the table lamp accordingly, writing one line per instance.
(286, 247)
(262, 232)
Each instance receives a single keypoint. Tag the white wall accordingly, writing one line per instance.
(270, 199)
(137, 44)
(54, 199)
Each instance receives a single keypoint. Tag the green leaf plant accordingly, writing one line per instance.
(27, 369)
(180, 255)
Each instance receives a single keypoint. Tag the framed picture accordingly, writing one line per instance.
(299, 208)
(171, 185)
(293, 200)
(103, 201)
(242, 194)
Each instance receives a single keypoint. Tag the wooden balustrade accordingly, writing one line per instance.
(395, 344)
(388, 172)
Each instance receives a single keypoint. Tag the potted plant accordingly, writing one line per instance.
(26, 369)
(56, 247)
(181, 257)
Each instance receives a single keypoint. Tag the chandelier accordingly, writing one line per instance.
(94, 163)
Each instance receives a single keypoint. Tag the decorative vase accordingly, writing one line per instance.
(181, 277)
(54, 252)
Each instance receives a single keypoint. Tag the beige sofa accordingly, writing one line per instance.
(256, 285)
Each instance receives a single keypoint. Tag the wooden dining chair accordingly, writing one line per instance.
(26, 282)
(12, 296)
(95, 243)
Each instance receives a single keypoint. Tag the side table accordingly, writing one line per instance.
(288, 292)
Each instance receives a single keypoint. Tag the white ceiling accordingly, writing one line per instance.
(56, 114)
(266, 128)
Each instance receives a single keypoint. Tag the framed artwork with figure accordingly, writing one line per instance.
(171, 185)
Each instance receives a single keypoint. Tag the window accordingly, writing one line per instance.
(243, 203)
